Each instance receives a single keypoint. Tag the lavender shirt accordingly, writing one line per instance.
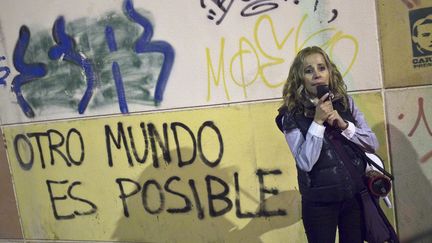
(306, 152)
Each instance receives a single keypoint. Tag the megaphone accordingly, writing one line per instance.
(379, 184)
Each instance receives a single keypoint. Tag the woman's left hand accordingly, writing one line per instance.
(334, 119)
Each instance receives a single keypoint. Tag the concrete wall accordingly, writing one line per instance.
(153, 121)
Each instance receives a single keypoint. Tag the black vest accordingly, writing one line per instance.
(329, 180)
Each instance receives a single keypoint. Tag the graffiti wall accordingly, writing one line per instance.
(131, 178)
(83, 58)
(153, 121)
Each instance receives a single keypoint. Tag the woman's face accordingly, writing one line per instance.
(315, 72)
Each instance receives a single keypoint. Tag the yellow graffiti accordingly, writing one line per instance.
(280, 45)
(255, 52)
(332, 43)
(221, 70)
(243, 84)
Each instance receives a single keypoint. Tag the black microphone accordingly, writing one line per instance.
(322, 90)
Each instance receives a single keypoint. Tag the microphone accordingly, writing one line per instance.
(322, 90)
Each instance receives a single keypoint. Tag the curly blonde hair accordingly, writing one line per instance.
(293, 93)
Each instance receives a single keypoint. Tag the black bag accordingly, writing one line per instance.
(377, 227)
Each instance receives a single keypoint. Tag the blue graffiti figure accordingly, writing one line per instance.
(28, 72)
(6, 71)
(65, 50)
(145, 45)
(142, 45)
(118, 80)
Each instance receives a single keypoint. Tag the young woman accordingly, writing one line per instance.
(317, 130)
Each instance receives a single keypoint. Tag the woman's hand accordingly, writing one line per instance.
(323, 109)
(334, 119)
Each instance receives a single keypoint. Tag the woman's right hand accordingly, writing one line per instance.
(323, 109)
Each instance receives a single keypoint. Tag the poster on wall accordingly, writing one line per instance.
(406, 37)
(87, 58)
